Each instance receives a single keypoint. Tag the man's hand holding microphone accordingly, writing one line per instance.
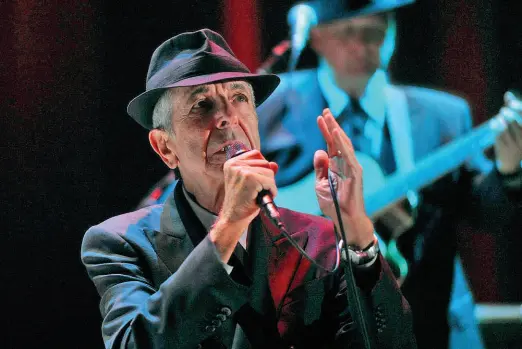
(247, 175)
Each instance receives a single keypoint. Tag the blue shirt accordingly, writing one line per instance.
(373, 101)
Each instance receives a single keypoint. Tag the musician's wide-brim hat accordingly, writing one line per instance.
(331, 10)
(191, 59)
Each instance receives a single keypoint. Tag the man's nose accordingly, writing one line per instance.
(226, 118)
(356, 46)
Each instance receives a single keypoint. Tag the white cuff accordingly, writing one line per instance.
(228, 268)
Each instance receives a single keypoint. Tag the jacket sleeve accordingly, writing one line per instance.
(178, 314)
(386, 312)
(495, 200)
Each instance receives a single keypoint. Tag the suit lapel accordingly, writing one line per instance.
(284, 260)
(399, 124)
(173, 247)
(171, 243)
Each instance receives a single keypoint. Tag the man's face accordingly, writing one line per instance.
(351, 46)
(204, 119)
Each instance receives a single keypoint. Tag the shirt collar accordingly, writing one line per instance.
(373, 100)
(206, 217)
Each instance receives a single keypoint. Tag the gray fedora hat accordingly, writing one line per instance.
(190, 59)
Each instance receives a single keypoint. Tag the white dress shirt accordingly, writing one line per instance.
(208, 219)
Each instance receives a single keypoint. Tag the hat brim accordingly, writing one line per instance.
(329, 14)
(142, 106)
(380, 8)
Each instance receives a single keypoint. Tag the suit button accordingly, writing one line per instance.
(216, 323)
(221, 317)
(210, 329)
(226, 311)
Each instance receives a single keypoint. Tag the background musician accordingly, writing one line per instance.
(397, 126)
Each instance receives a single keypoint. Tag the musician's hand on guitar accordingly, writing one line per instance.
(347, 173)
(508, 149)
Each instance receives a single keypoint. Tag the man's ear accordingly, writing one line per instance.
(159, 141)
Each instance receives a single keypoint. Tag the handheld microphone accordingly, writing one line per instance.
(301, 18)
(264, 198)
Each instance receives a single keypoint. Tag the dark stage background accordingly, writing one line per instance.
(71, 157)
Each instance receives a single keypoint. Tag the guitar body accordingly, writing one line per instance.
(381, 193)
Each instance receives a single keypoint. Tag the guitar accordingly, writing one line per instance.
(381, 193)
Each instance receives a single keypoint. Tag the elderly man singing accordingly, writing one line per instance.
(208, 269)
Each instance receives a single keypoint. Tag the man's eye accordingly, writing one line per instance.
(202, 105)
(241, 98)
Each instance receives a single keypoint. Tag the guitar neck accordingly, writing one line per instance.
(446, 159)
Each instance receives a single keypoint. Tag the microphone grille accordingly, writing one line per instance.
(302, 12)
(235, 149)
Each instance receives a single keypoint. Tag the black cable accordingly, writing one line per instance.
(283, 230)
(351, 291)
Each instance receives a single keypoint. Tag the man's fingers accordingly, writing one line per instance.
(274, 167)
(503, 139)
(515, 133)
(264, 171)
(347, 153)
(518, 132)
(321, 162)
(344, 144)
(266, 180)
(251, 154)
(259, 178)
(330, 120)
(326, 135)
(254, 163)
(507, 137)
(333, 126)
